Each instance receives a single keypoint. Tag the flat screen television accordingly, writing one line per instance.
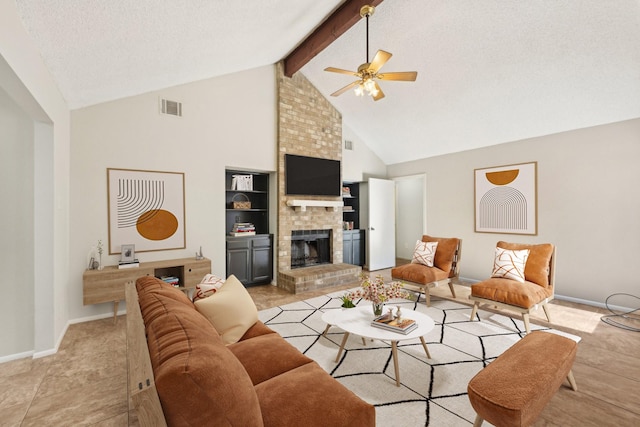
(311, 176)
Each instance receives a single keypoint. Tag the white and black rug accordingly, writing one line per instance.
(433, 392)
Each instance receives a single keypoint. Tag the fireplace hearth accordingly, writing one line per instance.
(310, 247)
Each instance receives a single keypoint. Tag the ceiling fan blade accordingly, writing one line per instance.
(346, 88)
(407, 76)
(379, 60)
(341, 71)
(379, 95)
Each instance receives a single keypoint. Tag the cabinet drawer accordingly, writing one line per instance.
(241, 243)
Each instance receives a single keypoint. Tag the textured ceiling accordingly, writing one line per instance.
(489, 71)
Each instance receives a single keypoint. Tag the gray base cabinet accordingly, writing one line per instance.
(353, 248)
(250, 259)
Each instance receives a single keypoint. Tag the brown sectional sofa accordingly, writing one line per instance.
(261, 380)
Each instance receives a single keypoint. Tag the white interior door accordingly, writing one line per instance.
(382, 224)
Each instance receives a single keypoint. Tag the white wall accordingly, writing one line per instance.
(411, 219)
(16, 228)
(588, 205)
(228, 121)
(359, 163)
(25, 79)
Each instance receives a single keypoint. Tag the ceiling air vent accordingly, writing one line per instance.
(348, 145)
(173, 108)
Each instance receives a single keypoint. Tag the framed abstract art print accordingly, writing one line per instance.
(146, 209)
(506, 199)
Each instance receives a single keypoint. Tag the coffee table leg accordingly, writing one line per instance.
(424, 345)
(344, 341)
(394, 351)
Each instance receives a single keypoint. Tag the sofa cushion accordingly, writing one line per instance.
(157, 298)
(510, 264)
(284, 400)
(445, 253)
(424, 253)
(418, 273)
(267, 356)
(230, 310)
(537, 268)
(256, 330)
(508, 291)
(199, 380)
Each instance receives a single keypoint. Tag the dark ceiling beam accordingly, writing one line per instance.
(333, 27)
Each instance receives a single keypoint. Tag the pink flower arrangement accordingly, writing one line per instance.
(376, 291)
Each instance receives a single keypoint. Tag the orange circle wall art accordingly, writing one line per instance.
(157, 224)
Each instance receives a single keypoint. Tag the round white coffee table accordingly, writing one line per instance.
(358, 321)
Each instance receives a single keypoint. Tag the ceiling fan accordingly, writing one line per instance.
(368, 72)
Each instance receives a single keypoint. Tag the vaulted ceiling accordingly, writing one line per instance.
(489, 71)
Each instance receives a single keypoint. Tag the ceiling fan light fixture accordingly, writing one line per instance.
(370, 86)
(368, 72)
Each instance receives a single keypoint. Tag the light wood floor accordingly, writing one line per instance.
(85, 382)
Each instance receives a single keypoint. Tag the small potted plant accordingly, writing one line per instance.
(347, 301)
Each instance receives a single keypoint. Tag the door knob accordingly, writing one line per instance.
(372, 229)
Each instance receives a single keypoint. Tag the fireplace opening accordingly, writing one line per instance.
(310, 247)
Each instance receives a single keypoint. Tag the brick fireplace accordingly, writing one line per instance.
(308, 125)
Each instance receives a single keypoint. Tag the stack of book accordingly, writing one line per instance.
(129, 264)
(389, 323)
(243, 229)
(171, 280)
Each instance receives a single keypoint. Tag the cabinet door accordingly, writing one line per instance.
(347, 247)
(357, 248)
(262, 260)
(239, 260)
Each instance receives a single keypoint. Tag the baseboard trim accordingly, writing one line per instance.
(16, 356)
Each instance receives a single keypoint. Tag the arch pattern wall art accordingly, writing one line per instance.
(146, 208)
(506, 199)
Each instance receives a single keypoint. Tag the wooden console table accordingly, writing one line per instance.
(107, 285)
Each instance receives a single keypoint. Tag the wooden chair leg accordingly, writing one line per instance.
(427, 296)
(546, 312)
(572, 380)
(525, 318)
(478, 421)
(474, 310)
(453, 291)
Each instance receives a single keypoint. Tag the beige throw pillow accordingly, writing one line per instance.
(510, 264)
(230, 310)
(424, 253)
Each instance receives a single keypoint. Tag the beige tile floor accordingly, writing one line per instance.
(85, 382)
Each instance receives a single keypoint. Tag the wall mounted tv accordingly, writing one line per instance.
(311, 176)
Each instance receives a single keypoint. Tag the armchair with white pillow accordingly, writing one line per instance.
(436, 261)
(522, 280)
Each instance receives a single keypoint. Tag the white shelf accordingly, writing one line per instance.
(300, 205)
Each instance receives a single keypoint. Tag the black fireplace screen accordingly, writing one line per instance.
(310, 247)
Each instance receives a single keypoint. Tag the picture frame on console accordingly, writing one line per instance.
(506, 199)
(128, 253)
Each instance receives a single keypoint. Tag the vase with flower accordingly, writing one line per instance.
(378, 292)
(100, 266)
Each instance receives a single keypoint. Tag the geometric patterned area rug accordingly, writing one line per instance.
(432, 392)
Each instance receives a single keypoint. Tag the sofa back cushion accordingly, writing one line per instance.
(538, 263)
(199, 380)
(444, 252)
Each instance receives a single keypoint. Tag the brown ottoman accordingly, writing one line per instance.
(514, 389)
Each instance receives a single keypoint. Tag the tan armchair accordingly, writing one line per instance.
(446, 266)
(523, 297)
